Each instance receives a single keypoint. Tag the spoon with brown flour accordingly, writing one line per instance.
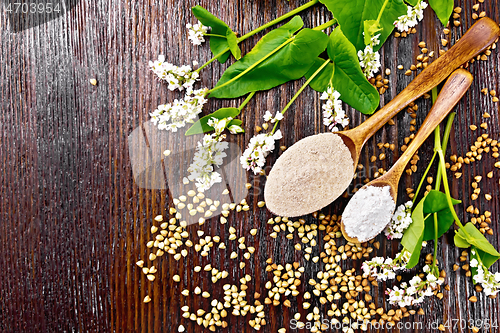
(317, 169)
(371, 208)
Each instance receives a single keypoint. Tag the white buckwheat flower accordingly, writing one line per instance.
(175, 115)
(412, 17)
(369, 60)
(385, 269)
(180, 78)
(400, 221)
(254, 157)
(334, 117)
(268, 117)
(277, 117)
(196, 33)
(489, 281)
(209, 154)
(414, 292)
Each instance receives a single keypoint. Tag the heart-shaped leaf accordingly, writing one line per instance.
(460, 241)
(413, 236)
(278, 57)
(474, 237)
(370, 28)
(436, 202)
(443, 9)
(345, 74)
(351, 15)
(232, 41)
(322, 80)
(217, 44)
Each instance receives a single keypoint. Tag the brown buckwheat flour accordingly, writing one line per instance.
(308, 176)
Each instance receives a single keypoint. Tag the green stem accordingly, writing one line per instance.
(249, 97)
(447, 191)
(437, 147)
(214, 35)
(434, 94)
(300, 90)
(279, 19)
(447, 130)
(259, 29)
(212, 60)
(424, 177)
(325, 25)
(434, 263)
(257, 63)
(382, 10)
(444, 146)
(437, 138)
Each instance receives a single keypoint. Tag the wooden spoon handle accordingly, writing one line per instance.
(453, 90)
(473, 42)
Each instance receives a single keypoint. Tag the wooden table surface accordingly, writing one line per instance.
(74, 221)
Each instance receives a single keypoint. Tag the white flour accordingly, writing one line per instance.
(368, 212)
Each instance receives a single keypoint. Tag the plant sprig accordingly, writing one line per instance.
(437, 211)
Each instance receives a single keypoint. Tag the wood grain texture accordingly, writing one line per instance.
(74, 222)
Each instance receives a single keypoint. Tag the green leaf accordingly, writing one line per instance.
(412, 2)
(436, 202)
(481, 256)
(474, 237)
(460, 241)
(232, 41)
(443, 9)
(201, 125)
(351, 15)
(236, 122)
(348, 78)
(487, 258)
(291, 62)
(217, 44)
(324, 78)
(413, 236)
(370, 28)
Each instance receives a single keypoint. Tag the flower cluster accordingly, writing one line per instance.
(254, 157)
(180, 78)
(196, 33)
(209, 154)
(412, 17)
(369, 60)
(175, 115)
(385, 269)
(333, 114)
(416, 290)
(489, 281)
(268, 117)
(400, 221)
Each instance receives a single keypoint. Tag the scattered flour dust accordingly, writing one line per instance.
(309, 175)
(368, 212)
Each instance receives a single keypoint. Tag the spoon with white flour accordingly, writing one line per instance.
(317, 169)
(371, 208)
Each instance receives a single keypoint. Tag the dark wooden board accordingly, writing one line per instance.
(74, 222)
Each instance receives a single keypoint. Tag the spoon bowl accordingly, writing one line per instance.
(482, 34)
(453, 90)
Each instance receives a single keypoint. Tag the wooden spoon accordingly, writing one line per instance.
(482, 34)
(453, 90)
